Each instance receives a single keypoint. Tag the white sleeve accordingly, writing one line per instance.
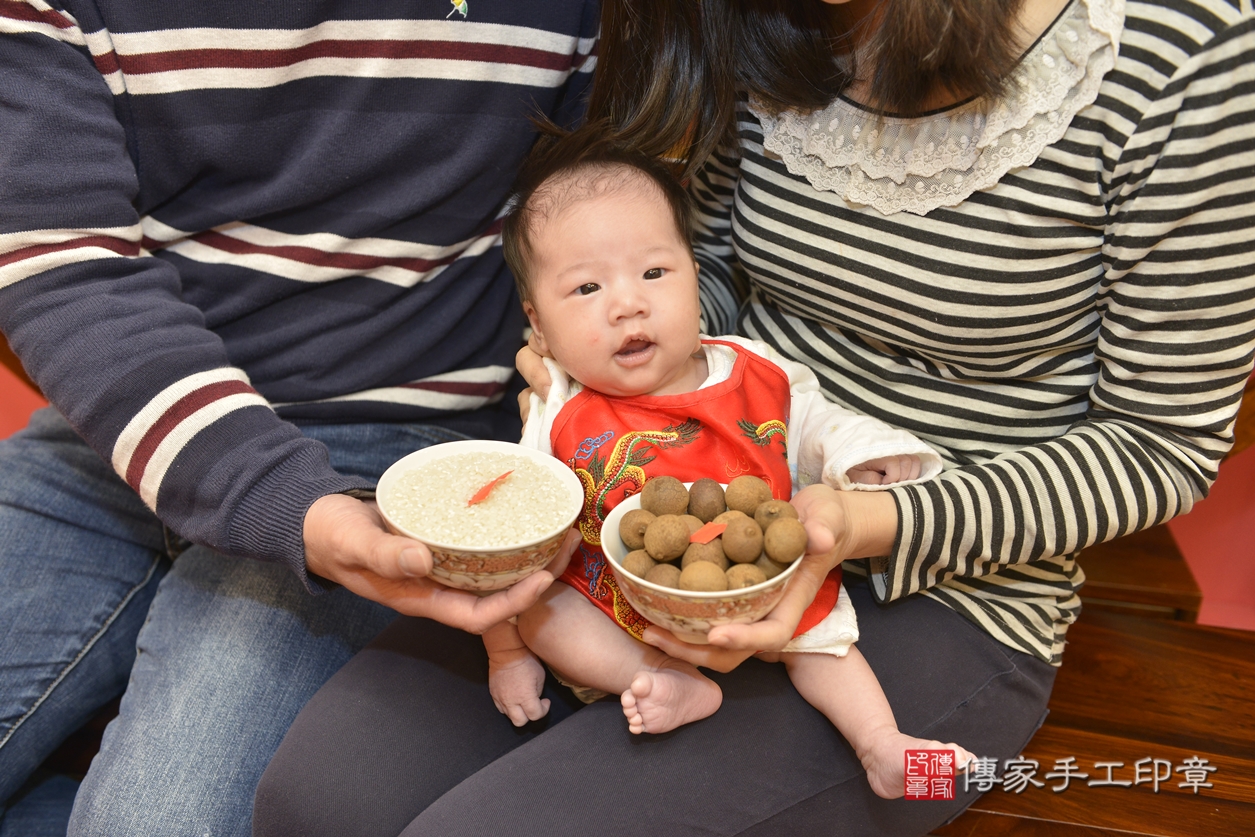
(541, 414)
(826, 440)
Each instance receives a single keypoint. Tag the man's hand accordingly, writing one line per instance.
(346, 542)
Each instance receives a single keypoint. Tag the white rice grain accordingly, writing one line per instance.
(431, 501)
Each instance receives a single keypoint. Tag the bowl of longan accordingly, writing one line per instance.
(691, 556)
(491, 513)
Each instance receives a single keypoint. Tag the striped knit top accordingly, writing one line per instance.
(220, 217)
(1073, 336)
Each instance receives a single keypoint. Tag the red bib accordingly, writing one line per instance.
(614, 444)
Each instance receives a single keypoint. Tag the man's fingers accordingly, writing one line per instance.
(392, 556)
(560, 561)
(516, 714)
(502, 605)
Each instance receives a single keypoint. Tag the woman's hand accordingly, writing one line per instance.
(346, 542)
(706, 656)
(839, 525)
(530, 361)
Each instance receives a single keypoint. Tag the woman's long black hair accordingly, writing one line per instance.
(669, 71)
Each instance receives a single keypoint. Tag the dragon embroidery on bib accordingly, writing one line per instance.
(762, 434)
(623, 467)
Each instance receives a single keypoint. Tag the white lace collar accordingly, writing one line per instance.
(918, 164)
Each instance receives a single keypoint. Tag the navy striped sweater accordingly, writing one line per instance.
(218, 216)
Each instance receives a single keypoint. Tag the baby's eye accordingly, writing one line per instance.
(654, 273)
(590, 288)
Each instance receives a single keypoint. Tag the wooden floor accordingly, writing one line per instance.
(1139, 680)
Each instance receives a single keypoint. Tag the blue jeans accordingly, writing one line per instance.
(215, 655)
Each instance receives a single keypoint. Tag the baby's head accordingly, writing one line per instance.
(598, 239)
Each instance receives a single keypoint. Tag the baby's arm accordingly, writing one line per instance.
(830, 444)
(515, 676)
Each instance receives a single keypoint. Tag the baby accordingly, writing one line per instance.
(598, 239)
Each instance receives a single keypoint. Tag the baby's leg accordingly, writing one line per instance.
(659, 693)
(846, 690)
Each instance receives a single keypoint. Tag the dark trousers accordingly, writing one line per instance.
(405, 739)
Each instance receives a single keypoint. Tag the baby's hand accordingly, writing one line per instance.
(885, 471)
(515, 681)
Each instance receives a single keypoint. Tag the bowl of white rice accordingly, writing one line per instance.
(492, 513)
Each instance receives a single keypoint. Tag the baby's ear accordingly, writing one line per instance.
(538, 336)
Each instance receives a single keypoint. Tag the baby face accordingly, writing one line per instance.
(614, 293)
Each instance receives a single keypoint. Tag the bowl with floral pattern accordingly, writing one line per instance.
(491, 513)
(688, 614)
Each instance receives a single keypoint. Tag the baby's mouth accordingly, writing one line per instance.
(633, 348)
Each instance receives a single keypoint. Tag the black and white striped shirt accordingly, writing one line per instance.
(1073, 340)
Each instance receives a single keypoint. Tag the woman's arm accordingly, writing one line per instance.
(1174, 346)
(1174, 349)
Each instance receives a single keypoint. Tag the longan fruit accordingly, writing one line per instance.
(694, 523)
(667, 537)
(638, 563)
(744, 575)
(706, 500)
(769, 567)
(664, 495)
(745, 493)
(703, 576)
(785, 540)
(771, 511)
(742, 541)
(632, 528)
(664, 575)
(712, 552)
(730, 515)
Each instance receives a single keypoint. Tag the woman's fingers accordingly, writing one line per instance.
(775, 630)
(706, 656)
(820, 510)
(531, 365)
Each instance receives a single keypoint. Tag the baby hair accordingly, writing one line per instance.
(564, 168)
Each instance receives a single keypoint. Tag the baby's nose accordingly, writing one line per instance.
(630, 303)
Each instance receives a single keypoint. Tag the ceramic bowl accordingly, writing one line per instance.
(469, 566)
(688, 615)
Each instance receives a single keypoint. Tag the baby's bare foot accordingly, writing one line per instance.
(885, 762)
(674, 694)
